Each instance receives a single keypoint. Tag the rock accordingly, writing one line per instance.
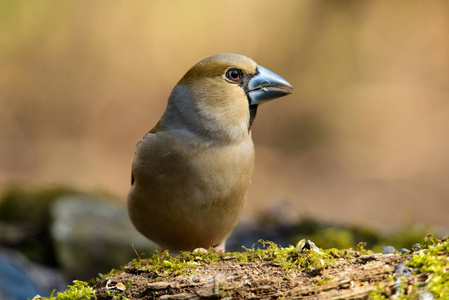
(402, 270)
(388, 249)
(404, 251)
(93, 235)
(416, 247)
(21, 279)
(426, 296)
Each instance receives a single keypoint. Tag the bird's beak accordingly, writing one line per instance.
(266, 85)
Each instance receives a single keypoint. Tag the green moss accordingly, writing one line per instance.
(101, 276)
(345, 253)
(378, 294)
(80, 290)
(432, 261)
(290, 259)
(429, 241)
(435, 263)
(165, 266)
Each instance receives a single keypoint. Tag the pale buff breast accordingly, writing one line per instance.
(182, 204)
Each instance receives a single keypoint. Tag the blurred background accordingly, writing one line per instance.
(364, 140)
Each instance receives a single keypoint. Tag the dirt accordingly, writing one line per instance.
(352, 278)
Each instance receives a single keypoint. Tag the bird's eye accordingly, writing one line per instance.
(234, 74)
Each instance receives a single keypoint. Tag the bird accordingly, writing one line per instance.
(191, 172)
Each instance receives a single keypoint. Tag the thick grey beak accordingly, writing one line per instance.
(266, 86)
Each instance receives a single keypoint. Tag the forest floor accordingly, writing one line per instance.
(282, 273)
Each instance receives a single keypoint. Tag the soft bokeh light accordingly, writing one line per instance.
(364, 139)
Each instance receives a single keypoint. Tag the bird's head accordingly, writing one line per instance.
(222, 92)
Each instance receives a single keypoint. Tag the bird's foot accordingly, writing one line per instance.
(217, 249)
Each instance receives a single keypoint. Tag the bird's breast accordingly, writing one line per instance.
(184, 189)
(169, 168)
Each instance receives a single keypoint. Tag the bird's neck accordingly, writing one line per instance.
(214, 124)
(204, 129)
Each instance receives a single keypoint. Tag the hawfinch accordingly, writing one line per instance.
(191, 172)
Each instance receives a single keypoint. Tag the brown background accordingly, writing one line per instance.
(364, 139)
